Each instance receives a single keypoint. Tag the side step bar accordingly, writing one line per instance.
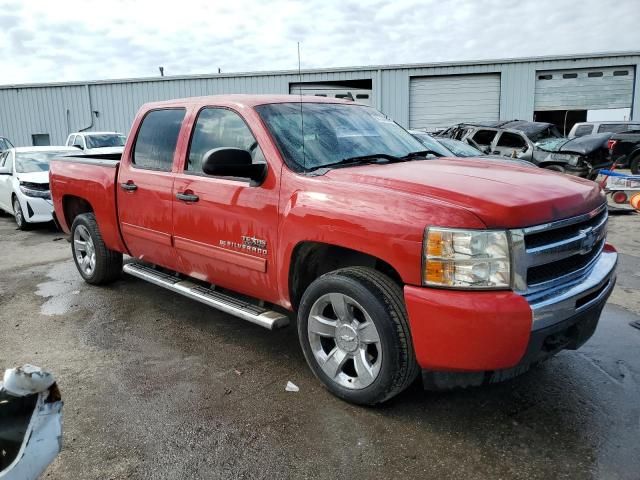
(226, 303)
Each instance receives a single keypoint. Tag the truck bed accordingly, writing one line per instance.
(94, 179)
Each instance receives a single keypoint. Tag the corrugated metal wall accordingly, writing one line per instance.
(58, 109)
(439, 102)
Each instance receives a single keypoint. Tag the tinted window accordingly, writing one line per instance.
(77, 142)
(594, 74)
(70, 140)
(616, 127)
(105, 140)
(218, 128)
(484, 137)
(620, 73)
(3, 158)
(569, 75)
(584, 130)
(157, 139)
(511, 140)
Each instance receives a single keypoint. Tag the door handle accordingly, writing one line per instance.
(129, 186)
(187, 197)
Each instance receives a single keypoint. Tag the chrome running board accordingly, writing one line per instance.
(223, 302)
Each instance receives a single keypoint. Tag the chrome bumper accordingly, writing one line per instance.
(559, 303)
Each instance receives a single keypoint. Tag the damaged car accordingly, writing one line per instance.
(30, 422)
(538, 142)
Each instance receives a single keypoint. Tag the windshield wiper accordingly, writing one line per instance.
(421, 153)
(362, 159)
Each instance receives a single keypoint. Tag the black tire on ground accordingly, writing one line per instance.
(383, 301)
(556, 168)
(634, 165)
(18, 215)
(108, 263)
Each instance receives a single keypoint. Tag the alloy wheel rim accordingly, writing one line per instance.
(17, 212)
(84, 250)
(344, 340)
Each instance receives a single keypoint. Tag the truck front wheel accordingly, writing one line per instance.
(353, 329)
(96, 263)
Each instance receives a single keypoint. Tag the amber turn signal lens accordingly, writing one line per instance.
(434, 244)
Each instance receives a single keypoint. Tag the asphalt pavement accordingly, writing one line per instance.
(158, 386)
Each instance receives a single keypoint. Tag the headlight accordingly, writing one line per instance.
(466, 258)
(35, 190)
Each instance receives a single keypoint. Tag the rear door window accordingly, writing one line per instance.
(583, 130)
(77, 142)
(616, 127)
(157, 139)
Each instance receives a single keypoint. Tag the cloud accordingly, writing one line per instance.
(42, 41)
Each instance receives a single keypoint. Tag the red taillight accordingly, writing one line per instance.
(611, 144)
(619, 197)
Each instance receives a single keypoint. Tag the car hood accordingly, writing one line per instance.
(502, 196)
(33, 177)
(581, 145)
(105, 150)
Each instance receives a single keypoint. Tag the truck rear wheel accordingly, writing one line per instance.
(96, 263)
(354, 332)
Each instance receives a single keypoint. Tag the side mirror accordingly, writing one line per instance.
(233, 162)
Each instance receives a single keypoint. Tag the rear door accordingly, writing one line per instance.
(145, 187)
(226, 234)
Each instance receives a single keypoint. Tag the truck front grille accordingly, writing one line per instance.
(558, 252)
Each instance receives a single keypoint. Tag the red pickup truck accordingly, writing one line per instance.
(396, 262)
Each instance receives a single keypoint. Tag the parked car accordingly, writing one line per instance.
(30, 422)
(24, 183)
(448, 147)
(97, 142)
(521, 139)
(581, 129)
(5, 144)
(394, 262)
(624, 150)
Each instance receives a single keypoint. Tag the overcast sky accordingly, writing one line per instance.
(63, 40)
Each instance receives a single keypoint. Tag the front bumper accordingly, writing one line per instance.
(35, 210)
(487, 332)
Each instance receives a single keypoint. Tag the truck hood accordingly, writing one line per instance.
(580, 145)
(33, 177)
(502, 196)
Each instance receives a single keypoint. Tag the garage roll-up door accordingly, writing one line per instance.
(584, 89)
(439, 102)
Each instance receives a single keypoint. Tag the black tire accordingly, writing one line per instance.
(556, 168)
(18, 215)
(634, 165)
(108, 263)
(384, 303)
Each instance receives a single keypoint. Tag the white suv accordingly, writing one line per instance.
(97, 142)
(588, 128)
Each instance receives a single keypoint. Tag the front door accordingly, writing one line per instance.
(6, 181)
(145, 188)
(225, 229)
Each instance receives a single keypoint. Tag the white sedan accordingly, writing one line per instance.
(24, 183)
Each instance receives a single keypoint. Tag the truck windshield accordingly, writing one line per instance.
(99, 141)
(333, 132)
(30, 162)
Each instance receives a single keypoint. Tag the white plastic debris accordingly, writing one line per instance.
(292, 387)
(26, 380)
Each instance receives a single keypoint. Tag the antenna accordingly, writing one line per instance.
(304, 157)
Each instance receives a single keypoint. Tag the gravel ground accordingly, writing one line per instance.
(158, 386)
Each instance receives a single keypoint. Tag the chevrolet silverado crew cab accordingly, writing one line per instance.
(396, 262)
